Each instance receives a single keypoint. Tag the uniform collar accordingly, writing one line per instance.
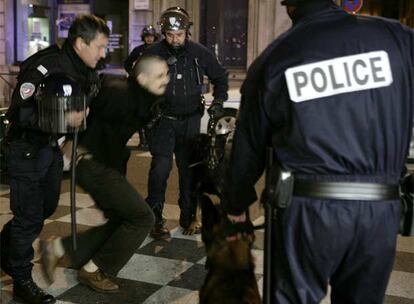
(311, 9)
(77, 62)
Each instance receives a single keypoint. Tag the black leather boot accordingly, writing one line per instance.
(28, 292)
(159, 231)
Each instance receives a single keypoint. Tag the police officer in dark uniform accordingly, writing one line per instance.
(334, 97)
(188, 63)
(149, 36)
(34, 158)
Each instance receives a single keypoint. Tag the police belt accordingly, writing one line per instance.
(353, 191)
(180, 117)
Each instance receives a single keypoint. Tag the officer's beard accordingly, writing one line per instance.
(177, 47)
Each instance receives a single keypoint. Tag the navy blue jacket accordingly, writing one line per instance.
(334, 96)
(183, 91)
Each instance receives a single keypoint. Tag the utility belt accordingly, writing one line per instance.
(181, 117)
(282, 186)
(354, 191)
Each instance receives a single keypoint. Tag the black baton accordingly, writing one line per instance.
(73, 190)
(269, 215)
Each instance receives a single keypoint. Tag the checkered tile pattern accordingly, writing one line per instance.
(169, 271)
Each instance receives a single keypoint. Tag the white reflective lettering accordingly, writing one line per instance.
(339, 75)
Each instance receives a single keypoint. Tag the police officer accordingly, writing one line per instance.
(334, 97)
(188, 63)
(149, 36)
(34, 158)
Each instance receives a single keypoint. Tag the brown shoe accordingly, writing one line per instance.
(49, 259)
(160, 232)
(97, 280)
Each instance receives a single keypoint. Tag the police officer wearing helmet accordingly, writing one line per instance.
(333, 96)
(34, 159)
(149, 35)
(188, 63)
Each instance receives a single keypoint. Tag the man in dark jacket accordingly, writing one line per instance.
(334, 97)
(149, 36)
(34, 159)
(122, 107)
(188, 63)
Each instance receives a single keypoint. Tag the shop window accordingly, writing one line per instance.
(33, 28)
(223, 29)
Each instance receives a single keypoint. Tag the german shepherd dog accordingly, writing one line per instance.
(230, 278)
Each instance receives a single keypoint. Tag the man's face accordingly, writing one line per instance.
(94, 51)
(149, 39)
(175, 38)
(156, 79)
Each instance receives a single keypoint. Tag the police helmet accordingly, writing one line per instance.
(149, 30)
(56, 96)
(174, 19)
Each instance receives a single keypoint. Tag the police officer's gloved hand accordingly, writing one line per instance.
(216, 108)
(236, 230)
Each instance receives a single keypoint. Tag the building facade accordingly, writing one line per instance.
(235, 30)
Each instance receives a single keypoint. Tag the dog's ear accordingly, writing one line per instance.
(210, 218)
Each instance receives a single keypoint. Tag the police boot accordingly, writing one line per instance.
(28, 292)
(185, 219)
(159, 231)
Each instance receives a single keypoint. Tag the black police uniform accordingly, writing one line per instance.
(334, 96)
(121, 107)
(181, 120)
(34, 159)
(136, 53)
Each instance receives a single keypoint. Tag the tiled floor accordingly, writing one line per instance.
(169, 271)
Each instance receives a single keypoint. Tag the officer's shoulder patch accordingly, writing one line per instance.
(27, 89)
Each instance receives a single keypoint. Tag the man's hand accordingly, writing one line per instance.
(216, 108)
(75, 118)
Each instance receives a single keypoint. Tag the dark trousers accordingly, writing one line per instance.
(171, 137)
(35, 178)
(351, 245)
(130, 219)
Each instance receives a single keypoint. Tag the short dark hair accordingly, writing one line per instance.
(143, 64)
(87, 27)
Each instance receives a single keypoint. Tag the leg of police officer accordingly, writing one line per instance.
(363, 274)
(310, 237)
(187, 130)
(318, 241)
(161, 141)
(35, 185)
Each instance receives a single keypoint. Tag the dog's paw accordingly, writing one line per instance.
(194, 228)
